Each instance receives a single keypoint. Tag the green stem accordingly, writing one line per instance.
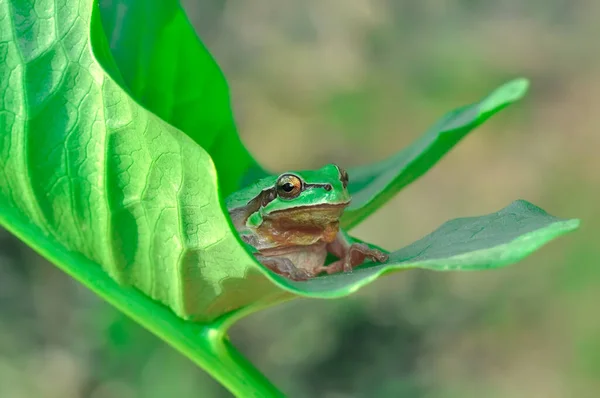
(206, 345)
(228, 366)
(236, 372)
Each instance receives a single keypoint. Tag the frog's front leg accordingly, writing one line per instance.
(350, 254)
(284, 266)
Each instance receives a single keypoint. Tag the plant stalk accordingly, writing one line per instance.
(206, 345)
(234, 371)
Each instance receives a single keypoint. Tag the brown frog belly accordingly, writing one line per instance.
(306, 257)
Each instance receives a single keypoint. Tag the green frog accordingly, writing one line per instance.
(292, 222)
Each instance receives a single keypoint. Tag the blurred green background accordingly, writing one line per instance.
(352, 81)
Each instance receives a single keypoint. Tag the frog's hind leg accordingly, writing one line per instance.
(350, 254)
(283, 266)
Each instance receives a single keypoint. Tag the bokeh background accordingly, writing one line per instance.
(353, 81)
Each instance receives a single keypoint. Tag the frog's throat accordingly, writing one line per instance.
(304, 217)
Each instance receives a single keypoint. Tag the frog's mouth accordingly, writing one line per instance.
(317, 215)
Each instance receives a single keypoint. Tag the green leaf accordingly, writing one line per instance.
(163, 65)
(112, 194)
(88, 172)
(129, 205)
(373, 185)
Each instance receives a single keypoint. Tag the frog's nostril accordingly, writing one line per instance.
(328, 187)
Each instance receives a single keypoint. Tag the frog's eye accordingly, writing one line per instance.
(343, 177)
(289, 186)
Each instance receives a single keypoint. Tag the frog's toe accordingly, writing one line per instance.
(288, 268)
(300, 275)
(284, 266)
(379, 256)
(332, 268)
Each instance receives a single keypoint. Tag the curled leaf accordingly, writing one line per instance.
(101, 185)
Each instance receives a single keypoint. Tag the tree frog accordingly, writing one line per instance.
(292, 222)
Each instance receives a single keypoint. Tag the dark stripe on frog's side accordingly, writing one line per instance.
(240, 215)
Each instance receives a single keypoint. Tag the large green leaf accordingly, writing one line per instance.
(90, 173)
(130, 206)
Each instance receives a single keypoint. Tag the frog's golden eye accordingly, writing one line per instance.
(289, 186)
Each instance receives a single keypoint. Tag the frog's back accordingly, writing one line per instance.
(243, 196)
